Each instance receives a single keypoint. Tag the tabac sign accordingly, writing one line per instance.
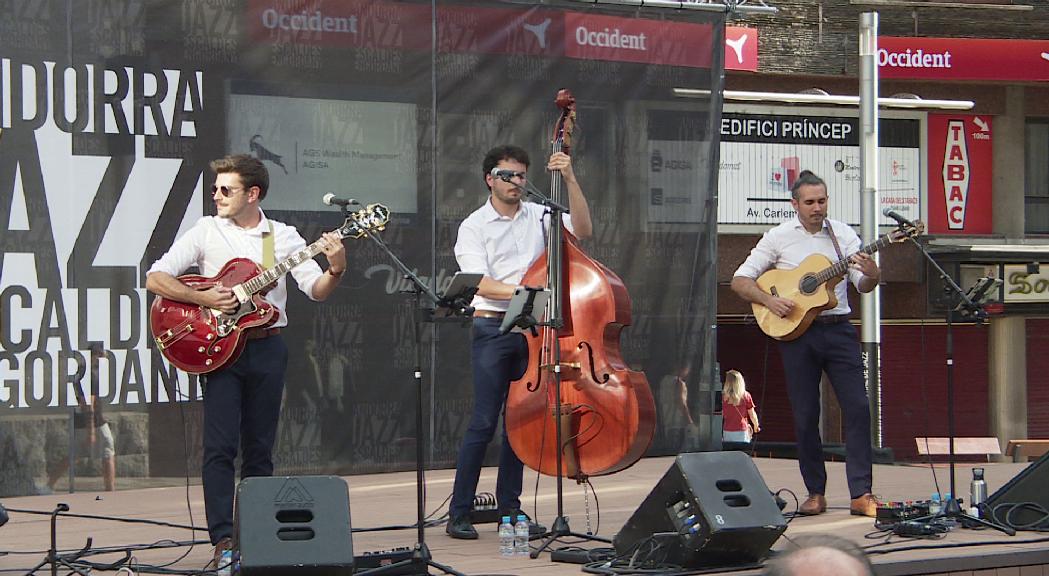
(959, 175)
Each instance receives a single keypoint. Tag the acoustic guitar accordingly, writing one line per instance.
(199, 340)
(811, 287)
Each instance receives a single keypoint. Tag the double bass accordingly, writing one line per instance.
(601, 410)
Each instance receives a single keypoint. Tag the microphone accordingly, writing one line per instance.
(504, 175)
(899, 219)
(330, 199)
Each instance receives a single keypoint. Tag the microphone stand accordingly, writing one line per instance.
(541, 198)
(957, 299)
(560, 528)
(456, 306)
(53, 558)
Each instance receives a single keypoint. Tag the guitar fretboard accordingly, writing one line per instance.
(357, 225)
(270, 276)
(840, 267)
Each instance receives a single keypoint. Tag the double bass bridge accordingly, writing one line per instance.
(567, 370)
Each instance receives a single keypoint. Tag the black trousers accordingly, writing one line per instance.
(241, 408)
(834, 349)
(497, 359)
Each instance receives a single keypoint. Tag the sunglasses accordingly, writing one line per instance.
(226, 190)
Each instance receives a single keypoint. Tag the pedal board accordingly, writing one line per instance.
(893, 512)
(484, 516)
(370, 560)
(918, 529)
(485, 509)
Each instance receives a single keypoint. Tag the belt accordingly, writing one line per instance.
(832, 319)
(488, 314)
(257, 333)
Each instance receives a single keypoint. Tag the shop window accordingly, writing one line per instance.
(1036, 177)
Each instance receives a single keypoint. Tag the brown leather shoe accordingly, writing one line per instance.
(224, 544)
(813, 505)
(866, 505)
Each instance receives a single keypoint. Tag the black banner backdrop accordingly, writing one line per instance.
(111, 110)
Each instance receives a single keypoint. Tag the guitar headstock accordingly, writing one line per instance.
(905, 231)
(373, 217)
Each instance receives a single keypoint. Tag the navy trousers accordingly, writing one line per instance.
(834, 349)
(497, 360)
(241, 407)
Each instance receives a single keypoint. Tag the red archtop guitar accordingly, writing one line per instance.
(199, 340)
(811, 287)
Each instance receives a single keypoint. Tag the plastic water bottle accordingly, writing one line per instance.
(934, 504)
(521, 536)
(225, 567)
(506, 538)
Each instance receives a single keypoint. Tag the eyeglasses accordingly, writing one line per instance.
(226, 190)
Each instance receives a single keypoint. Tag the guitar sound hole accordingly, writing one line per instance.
(809, 284)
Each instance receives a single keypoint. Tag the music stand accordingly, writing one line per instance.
(526, 305)
(970, 308)
(453, 304)
(982, 291)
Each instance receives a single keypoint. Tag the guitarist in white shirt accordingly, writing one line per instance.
(829, 345)
(242, 400)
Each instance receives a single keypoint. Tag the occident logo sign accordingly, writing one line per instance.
(598, 37)
(955, 174)
(914, 59)
(610, 39)
(315, 22)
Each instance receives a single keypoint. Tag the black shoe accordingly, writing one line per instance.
(535, 530)
(461, 528)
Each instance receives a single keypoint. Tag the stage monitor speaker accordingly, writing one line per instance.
(709, 509)
(294, 525)
(1027, 486)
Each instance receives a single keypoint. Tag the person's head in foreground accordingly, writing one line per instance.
(820, 555)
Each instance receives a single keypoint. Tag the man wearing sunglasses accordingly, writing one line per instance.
(242, 400)
(501, 240)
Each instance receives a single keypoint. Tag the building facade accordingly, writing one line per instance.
(999, 377)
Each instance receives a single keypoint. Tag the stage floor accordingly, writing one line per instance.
(389, 499)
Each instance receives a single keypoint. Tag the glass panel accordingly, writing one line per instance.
(1036, 177)
(112, 112)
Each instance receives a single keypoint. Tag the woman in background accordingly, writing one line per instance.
(737, 409)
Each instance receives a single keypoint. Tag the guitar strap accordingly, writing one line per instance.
(834, 240)
(268, 251)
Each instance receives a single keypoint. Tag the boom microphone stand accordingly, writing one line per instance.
(957, 300)
(451, 306)
(554, 322)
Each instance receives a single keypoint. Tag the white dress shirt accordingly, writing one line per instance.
(786, 245)
(213, 241)
(501, 248)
